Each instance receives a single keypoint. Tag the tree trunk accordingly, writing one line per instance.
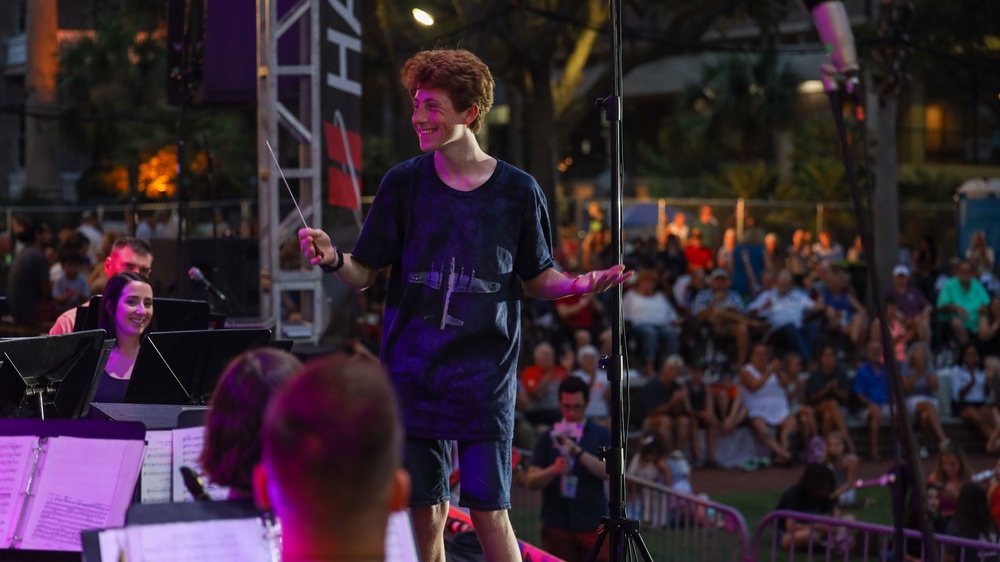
(41, 174)
(540, 137)
(885, 196)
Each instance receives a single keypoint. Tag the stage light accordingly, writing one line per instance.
(422, 17)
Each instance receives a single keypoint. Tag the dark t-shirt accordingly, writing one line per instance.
(654, 394)
(452, 314)
(989, 533)
(910, 303)
(583, 512)
(794, 499)
(817, 381)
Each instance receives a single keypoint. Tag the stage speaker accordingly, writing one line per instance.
(231, 264)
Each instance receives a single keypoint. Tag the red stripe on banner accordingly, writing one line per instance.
(340, 192)
(335, 149)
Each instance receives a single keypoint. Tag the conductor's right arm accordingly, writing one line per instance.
(319, 250)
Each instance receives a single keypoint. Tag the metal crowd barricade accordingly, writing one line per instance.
(835, 538)
(675, 526)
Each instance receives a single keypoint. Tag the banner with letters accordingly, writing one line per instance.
(340, 87)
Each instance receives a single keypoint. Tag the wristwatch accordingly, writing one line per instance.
(340, 262)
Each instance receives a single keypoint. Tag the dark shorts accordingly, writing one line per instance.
(957, 406)
(484, 467)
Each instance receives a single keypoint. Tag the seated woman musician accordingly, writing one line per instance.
(126, 311)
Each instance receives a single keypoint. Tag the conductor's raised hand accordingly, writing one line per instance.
(315, 244)
(601, 280)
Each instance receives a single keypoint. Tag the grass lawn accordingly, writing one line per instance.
(755, 505)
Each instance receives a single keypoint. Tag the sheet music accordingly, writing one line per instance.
(399, 542)
(226, 540)
(83, 484)
(155, 483)
(187, 445)
(16, 456)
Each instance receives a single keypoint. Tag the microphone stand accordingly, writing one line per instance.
(622, 532)
(908, 473)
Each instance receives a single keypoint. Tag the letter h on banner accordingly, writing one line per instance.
(340, 58)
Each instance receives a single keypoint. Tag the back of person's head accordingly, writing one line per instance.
(972, 511)
(465, 78)
(331, 458)
(817, 481)
(236, 412)
(109, 300)
(651, 447)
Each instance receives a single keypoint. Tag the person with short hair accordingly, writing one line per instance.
(722, 309)
(330, 467)
(566, 466)
(29, 290)
(127, 254)
(872, 391)
(960, 299)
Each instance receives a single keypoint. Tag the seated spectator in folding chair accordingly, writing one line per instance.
(871, 390)
(805, 417)
(722, 310)
(845, 316)
(661, 406)
(764, 391)
(786, 310)
(911, 303)
(960, 300)
(828, 391)
(600, 391)
(902, 336)
(988, 335)
(698, 404)
(972, 392)
(541, 384)
(653, 320)
(920, 385)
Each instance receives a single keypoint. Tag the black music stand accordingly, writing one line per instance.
(183, 367)
(169, 315)
(54, 376)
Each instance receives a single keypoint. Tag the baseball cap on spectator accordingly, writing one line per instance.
(719, 272)
(901, 270)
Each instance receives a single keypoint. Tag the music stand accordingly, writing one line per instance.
(58, 375)
(183, 367)
(169, 315)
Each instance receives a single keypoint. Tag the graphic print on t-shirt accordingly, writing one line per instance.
(456, 282)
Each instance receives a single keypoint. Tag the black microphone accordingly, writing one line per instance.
(834, 29)
(197, 276)
(194, 485)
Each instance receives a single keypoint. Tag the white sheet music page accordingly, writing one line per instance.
(17, 454)
(225, 540)
(81, 486)
(399, 542)
(187, 445)
(155, 482)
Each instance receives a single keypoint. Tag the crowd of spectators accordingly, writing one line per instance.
(700, 302)
(723, 333)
